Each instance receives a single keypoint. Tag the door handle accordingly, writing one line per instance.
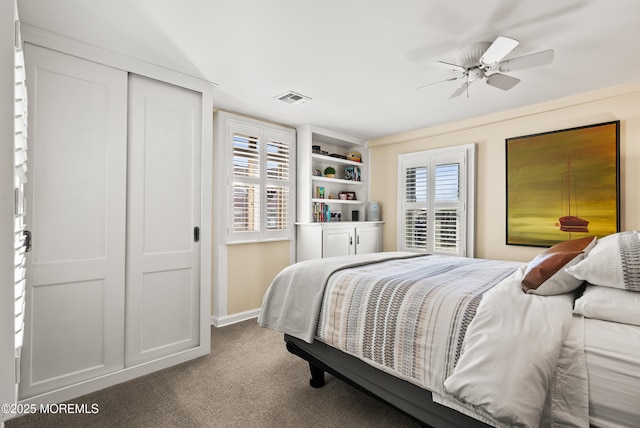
(196, 234)
(27, 240)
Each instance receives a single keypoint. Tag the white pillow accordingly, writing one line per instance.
(613, 262)
(609, 304)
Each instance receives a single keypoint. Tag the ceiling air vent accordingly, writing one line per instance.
(293, 98)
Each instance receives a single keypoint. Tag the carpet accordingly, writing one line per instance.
(248, 380)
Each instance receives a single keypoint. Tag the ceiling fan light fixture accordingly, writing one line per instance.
(475, 74)
(484, 61)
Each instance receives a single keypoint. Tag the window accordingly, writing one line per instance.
(435, 200)
(260, 183)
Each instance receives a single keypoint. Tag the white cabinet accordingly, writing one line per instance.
(368, 238)
(318, 240)
(338, 241)
(113, 198)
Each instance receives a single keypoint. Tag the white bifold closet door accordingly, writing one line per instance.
(163, 212)
(76, 211)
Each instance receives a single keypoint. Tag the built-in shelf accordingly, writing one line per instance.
(336, 201)
(329, 159)
(351, 175)
(338, 180)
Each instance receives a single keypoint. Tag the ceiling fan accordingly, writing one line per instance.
(484, 60)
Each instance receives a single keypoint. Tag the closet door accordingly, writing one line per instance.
(76, 196)
(163, 255)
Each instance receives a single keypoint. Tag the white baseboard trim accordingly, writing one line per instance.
(235, 318)
(113, 378)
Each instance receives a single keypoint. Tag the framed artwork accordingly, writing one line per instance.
(563, 185)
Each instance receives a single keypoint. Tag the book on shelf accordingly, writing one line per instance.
(321, 212)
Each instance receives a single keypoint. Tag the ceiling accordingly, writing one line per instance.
(359, 60)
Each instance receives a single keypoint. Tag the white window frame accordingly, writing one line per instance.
(466, 155)
(264, 131)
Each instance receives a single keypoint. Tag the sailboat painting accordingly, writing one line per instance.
(570, 222)
(563, 185)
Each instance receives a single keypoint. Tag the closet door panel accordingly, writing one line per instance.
(76, 196)
(163, 259)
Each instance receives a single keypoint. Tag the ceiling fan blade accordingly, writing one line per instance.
(447, 66)
(498, 50)
(502, 81)
(440, 81)
(527, 61)
(460, 90)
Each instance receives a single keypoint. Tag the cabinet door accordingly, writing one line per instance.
(368, 239)
(337, 242)
(163, 259)
(74, 326)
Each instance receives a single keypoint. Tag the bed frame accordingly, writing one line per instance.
(404, 396)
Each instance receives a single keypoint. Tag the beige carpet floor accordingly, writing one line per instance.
(248, 380)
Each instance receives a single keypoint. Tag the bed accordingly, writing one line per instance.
(457, 342)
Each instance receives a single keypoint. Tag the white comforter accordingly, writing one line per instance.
(522, 361)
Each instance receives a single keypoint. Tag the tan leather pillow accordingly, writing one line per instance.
(545, 273)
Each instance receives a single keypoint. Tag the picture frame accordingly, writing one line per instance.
(347, 196)
(563, 185)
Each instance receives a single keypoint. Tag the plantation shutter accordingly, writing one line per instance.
(246, 183)
(261, 183)
(416, 208)
(447, 208)
(278, 185)
(20, 179)
(433, 202)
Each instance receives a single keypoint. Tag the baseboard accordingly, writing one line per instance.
(91, 385)
(235, 318)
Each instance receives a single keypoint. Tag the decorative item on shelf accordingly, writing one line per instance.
(330, 172)
(373, 211)
(336, 216)
(317, 150)
(320, 192)
(354, 156)
(352, 173)
(347, 196)
(317, 173)
(339, 156)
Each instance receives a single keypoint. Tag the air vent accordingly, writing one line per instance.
(293, 98)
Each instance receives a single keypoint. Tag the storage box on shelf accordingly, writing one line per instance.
(328, 200)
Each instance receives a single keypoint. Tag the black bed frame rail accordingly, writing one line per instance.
(404, 396)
